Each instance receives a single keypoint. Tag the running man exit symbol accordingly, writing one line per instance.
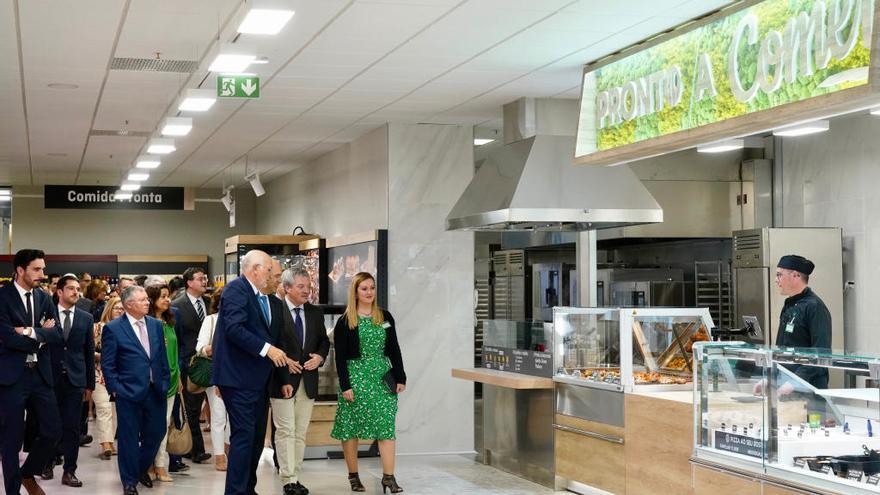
(238, 87)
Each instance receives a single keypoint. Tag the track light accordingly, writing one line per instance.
(227, 200)
(256, 185)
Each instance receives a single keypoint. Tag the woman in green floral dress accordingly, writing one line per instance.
(371, 375)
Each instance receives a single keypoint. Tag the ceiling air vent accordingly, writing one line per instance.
(120, 133)
(154, 65)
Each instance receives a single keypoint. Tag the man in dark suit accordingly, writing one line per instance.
(244, 353)
(27, 324)
(192, 308)
(135, 366)
(294, 389)
(73, 367)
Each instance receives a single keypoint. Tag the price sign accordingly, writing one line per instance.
(800, 463)
(854, 475)
(874, 479)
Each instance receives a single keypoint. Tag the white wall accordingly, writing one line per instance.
(431, 284)
(342, 192)
(146, 232)
(830, 180)
(404, 178)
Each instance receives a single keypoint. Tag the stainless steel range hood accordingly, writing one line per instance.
(531, 184)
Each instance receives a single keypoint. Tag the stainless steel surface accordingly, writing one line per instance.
(752, 297)
(518, 432)
(509, 285)
(764, 247)
(531, 184)
(550, 287)
(591, 434)
(593, 404)
(586, 273)
(713, 286)
(648, 294)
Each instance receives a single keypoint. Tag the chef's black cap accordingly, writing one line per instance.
(796, 263)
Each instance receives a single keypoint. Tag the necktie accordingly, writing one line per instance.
(200, 310)
(300, 331)
(264, 304)
(66, 324)
(30, 309)
(142, 334)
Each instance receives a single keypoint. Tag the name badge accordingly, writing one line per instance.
(789, 327)
(386, 325)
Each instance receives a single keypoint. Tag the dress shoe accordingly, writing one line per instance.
(163, 476)
(130, 490)
(85, 440)
(47, 473)
(220, 462)
(32, 487)
(178, 467)
(295, 489)
(200, 458)
(145, 480)
(302, 490)
(70, 479)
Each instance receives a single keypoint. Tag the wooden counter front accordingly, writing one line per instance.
(659, 441)
(503, 378)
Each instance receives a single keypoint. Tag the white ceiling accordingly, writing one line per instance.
(338, 69)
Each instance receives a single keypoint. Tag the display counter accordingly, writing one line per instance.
(764, 416)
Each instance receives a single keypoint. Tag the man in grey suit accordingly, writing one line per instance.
(192, 308)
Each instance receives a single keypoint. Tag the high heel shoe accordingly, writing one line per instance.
(356, 485)
(388, 481)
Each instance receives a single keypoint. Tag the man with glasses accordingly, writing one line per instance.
(192, 307)
(804, 321)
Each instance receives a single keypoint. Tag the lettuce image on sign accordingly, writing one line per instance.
(770, 54)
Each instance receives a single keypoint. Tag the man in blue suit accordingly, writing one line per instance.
(244, 353)
(73, 367)
(135, 366)
(27, 324)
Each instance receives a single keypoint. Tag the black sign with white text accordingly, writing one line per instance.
(105, 198)
(741, 444)
(518, 361)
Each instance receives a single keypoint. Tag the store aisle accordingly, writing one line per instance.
(428, 475)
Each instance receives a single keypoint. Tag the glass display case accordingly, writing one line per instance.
(799, 416)
(628, 349)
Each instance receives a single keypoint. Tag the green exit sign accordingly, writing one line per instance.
(238, 87)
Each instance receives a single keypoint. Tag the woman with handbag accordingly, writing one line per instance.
(204, 352)
(371, 375)
(105, 418)
(160, 308)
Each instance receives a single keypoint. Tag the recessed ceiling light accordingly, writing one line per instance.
(232, 58)
(803, 129)
(480, 142)
(137, 176)
(147, 161)
(161, 146)
(177, 126)
(266, 17)
(127, 186)
(63, 86)
(197, 100)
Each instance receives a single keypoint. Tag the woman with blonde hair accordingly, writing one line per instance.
(105, 417)
(371, 375)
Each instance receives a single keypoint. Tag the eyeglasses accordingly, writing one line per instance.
(117, 308)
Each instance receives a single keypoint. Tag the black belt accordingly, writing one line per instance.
(30, 364)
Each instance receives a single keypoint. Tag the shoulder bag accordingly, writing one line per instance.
(199, 371)
(179, 441)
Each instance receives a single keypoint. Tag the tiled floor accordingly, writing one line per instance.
(428, 475)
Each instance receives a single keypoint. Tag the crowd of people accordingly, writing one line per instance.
(153, 356)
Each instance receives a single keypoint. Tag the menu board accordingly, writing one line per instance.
(527, 362)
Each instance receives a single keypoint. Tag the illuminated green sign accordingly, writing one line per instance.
(773, 53)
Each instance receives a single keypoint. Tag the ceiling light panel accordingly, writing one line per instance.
(232, 58)
(138, 176)
(147, 162)
(160, 146)
(197, 100)
(176, 126)
(266, 17)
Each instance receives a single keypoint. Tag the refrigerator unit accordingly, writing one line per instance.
(755, 255)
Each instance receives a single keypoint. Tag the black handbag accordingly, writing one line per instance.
(390, 382)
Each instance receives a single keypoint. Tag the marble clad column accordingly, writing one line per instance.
(430, 287)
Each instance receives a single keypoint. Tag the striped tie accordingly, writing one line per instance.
(200, 310)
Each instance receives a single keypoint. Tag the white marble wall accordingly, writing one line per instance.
(431, 284)
(830, 180)
(342, 192)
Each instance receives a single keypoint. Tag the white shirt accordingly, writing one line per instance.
(195, 302)
(61, 316)
(266, 346)
(133, 322)
(21, 293)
